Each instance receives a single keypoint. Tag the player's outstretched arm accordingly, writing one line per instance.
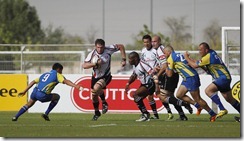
(69, 83)
(27, 88)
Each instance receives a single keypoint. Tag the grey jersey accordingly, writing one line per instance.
(143, 71)
(104, 69)
(150, 57)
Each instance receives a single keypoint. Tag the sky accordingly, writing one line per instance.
(121, 20)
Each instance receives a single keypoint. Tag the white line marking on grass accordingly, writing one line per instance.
(101, 125)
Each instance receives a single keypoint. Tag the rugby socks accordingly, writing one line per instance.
(96, 105)
(236, 105)
(179, 109)
(211, 113)
(197, 105)
(22, 111)
(141, 106)
(102, 96)
(166, 105)
(216, 100)
(174, 101)
(154, 108)
(51, 106)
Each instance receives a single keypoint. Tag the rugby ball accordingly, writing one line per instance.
(94, 59)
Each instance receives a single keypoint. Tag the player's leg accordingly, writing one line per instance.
(170, 114)
(141, 93)
(104, 102)
(211, 92)
(107, 80)
(97, 86)
(230, 99)
(23, 109)
(152, 104)
(196, 96)
(29, 104)
(54, 98)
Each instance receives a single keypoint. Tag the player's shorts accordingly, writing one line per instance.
(192, 83)
(222, 84)
(106, 78)
(40, 96)
(168, 83)
(150, 87)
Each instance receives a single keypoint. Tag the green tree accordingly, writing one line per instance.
(138, 44)
(19, 23)
(212, 35)
(180, 38)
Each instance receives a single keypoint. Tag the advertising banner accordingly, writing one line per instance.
(74, 101)
(10, 86)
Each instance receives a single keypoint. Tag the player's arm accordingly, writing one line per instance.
(191, 62)
(70, 83)
(123, 55)
(27, 88)
(162, 69)
(61, 79)
(131, 80)
(88, 65)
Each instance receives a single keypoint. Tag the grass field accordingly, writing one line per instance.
(117, 126)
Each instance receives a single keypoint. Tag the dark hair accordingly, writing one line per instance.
(134, 54)
(57, 66)
(147, 37)
(100, 41)
(205, 45)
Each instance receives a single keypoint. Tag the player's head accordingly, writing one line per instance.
(168, 50)
(203, 49)
(134, 58)
(58, 67)
(156, 41)
(147, 41)
(99, 44)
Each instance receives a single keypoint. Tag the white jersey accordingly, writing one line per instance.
(149, 56)
(161, 56)
(143, 71)
(104, 69)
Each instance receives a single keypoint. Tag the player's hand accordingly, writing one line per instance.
(127, 88)
(21, 94)
(186, 54)
(123, 63)
(79, 88)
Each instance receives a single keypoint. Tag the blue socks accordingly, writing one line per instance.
(22, 111)
(216, 100)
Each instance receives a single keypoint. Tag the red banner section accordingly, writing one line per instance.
(116, 97)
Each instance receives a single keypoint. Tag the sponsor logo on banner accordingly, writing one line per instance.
(10, 86)
(115, 95)
(236, 91)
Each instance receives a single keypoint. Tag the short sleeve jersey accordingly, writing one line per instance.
(214, 64)
(47, 81)
(104, 69)
(160, 55)
(177, 62)
(149, 56)
(143, 71)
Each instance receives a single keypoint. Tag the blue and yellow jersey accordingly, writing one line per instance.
(177, 62)
(47, 81)
(215, 65)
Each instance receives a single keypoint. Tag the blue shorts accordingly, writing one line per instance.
(192, 83)
(40, 96)
(222, 84)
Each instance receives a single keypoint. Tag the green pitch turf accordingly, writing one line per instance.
(109, 125)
